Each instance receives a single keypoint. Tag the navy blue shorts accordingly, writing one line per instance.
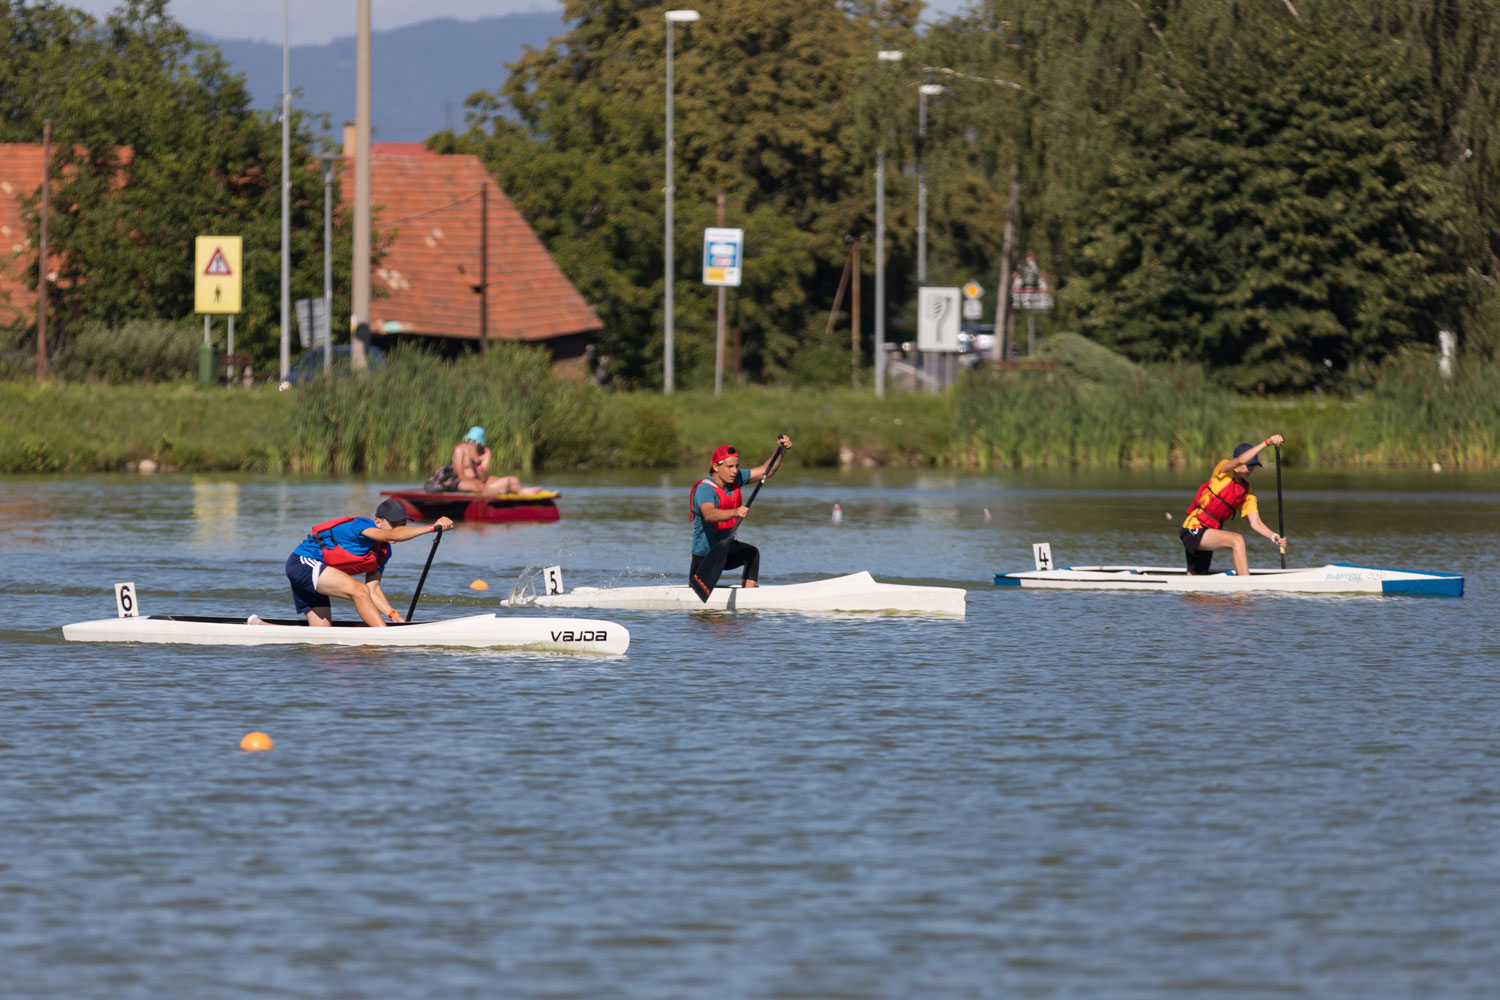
(303, 572)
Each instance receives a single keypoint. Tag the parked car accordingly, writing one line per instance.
(976, 343)
(310, 365)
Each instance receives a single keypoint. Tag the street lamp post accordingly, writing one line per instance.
(673, 17)
(328, 160)
(286, 192)
(884, 55)
(925, 91)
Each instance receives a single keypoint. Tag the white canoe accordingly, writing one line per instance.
(855, 592)
(565, 635)
(1335, 578)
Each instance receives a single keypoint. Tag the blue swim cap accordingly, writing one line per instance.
(476, 434)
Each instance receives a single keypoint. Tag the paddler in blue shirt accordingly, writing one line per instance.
(325, 563)
(1226, 493)
(716, 507)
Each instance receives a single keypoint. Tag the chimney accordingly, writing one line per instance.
(348, 140)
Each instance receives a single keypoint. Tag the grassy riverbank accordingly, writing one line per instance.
(405, 421)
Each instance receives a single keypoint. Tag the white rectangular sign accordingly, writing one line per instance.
(723, 256)
(937, 319)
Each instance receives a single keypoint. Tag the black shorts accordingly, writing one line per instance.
(740, 554)
(1198, 560)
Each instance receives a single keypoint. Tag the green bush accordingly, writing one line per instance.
(137, 350)
(1084, 359)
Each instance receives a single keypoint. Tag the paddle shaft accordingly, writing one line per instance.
(430, 553)
(1280, 519)
(712, 566)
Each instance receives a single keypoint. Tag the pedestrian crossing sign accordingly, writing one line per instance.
(216, 274)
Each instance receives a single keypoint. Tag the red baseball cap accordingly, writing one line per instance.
(722, 452)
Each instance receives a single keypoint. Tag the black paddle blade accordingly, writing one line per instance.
(710, 569)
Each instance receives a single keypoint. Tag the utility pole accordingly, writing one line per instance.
(854, 309)
(286, 195)
(719, 338)
(41, 267)
(1007, 244)
(484, 268)
(360, 265)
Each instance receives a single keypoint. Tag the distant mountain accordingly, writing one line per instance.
(420, 74)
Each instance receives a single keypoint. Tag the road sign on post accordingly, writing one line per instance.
(217, 274)
(723, 256)
(937, 319)
(1029, 291)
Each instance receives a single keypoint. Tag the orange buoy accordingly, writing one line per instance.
(479, 585)
(256, 741)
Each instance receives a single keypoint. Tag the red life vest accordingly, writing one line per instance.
(338, 557)
(1216, 509)
(727, 501)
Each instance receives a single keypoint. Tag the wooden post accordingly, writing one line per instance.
(1007, 245)
(838, 297)
(41, 264)
(484, 268)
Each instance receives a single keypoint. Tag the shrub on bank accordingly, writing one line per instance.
(137, 350)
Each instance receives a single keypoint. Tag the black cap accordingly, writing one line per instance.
(1240, 449)
(391, 510)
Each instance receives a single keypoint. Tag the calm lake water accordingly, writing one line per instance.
(1062, 795)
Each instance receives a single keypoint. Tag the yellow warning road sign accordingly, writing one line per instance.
(216, 274)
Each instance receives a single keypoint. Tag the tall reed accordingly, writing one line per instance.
(1016, 419)
(407, 417)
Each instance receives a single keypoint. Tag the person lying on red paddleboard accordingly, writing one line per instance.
(716, 507)
(1226, 493)
(325, 563)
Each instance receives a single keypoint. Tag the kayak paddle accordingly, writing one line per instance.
(712, 567)
(430, 553)
(1280, 523)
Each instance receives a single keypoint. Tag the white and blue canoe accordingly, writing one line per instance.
(1335, 578)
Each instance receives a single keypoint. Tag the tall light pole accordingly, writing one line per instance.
(673, 17)
(925, 91)
(286, 189)
(328, 160)
(889, 56)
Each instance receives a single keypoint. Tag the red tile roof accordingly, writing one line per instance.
(20, 177)
(431, 201)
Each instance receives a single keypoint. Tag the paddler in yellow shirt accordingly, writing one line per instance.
(1226, 494)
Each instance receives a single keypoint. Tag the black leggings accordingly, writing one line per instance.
(740, 554)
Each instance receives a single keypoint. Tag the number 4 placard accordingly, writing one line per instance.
(125, 602)
(1042, 552)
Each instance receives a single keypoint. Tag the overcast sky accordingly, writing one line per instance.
(316, 21)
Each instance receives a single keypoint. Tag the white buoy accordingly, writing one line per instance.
(986, 513)
(838, 514)
(1437, 466)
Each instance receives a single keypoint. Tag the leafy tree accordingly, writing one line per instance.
(156, 143)
(1273, 212)
(764, 113)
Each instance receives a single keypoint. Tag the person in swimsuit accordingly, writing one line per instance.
(471, 463)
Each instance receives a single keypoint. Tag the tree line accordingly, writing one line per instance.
(1287, 192)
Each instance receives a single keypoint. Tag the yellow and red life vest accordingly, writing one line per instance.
(1216, 509)
(728, 500)
(338, 557)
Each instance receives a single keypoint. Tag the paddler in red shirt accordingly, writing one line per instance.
(1226, 494)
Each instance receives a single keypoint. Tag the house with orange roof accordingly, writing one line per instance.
(430, 275)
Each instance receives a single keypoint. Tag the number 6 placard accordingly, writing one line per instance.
(125, 602)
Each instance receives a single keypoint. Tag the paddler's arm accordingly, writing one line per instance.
(407, 531)
(713, 514)
(769, 466)
(372, 584)
(1274, 439)
(1259, 527)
